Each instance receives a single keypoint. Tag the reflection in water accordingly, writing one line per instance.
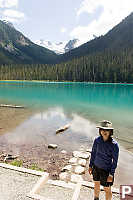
(42, 128)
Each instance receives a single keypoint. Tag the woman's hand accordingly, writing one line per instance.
(90, 170)
(110, 179)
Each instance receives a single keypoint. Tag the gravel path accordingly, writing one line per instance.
(86, 192)
(59, 193)
(56, 192)
(15, 185)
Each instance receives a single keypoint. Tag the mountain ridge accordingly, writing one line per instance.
(16, 48)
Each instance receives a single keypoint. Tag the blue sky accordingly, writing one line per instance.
(61, 20)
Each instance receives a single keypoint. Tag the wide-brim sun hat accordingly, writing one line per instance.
(105, 124)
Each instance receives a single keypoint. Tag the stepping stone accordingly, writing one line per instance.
(89, 150)
(82, 162)
(63, 176)
(67, 168)
(76, 178)
(52, 146)
(78, 154)
(79, 170)
(73, 160)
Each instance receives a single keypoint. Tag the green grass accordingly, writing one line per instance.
(18, 163)
(35, 167)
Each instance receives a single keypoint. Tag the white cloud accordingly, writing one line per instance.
(113, 12)
(9, 13)
(8, 3)
(10, 19)
(12, 15)
(88, 6)
(63, 30)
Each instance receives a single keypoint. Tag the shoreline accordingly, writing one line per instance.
(54, 81)
(41, 158)
(38, 157)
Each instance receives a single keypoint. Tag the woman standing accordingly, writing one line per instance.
(104, 158)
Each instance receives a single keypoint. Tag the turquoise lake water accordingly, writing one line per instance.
(84, 104)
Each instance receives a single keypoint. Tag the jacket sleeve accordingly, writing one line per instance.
(93, 153)
(115, 156)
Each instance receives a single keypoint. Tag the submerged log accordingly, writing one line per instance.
(62, 129)
(52, 146)
(9, 157)
(11, 106)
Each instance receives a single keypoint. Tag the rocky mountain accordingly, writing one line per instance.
(16, 48)
(61, 47)
(72, 44)
(120, 37)
(8, 23)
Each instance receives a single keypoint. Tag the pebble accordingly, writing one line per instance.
(63, 151)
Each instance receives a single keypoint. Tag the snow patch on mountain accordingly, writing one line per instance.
(61, 47)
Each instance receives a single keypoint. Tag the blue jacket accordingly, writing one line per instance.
(105, 154)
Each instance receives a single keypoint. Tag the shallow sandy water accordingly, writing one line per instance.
(10, 118)
(31, 129)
